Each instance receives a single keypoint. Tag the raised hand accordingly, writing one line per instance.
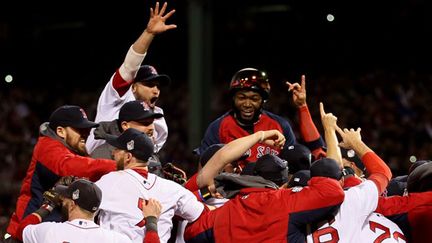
(328, 120)
(273, 138)
(350, 138)
(299, 91)
(157, 20)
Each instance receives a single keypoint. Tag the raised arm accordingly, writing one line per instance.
(136, 53)
(329, 123)
(308, 130)
(233, 151)
(379, 172)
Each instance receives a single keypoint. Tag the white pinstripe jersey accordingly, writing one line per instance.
(124, 190)
(75, 231)
(108, 109)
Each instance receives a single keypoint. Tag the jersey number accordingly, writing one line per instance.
(140, 202)
(330, 231)
(334, 236)
(386, 234)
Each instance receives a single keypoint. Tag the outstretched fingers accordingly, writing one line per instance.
(322, 112)
(162, 11)
(303, 83)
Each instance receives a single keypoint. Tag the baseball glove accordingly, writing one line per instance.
(172, 172)
(52, 198)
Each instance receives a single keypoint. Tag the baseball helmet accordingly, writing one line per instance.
(251, 79)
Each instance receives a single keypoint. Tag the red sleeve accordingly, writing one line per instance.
(60, 160)
(380, 173)
(322, 192)
(308, 130)
(319, 153)
(151, 237)
(119, 84)
(30, 219)
(395, 205)
(191, 184)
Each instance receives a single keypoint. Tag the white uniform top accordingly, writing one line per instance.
(216, 202)
(378, 228)
(360, 201)
(75, 231)
(110, 102)
(122, 193)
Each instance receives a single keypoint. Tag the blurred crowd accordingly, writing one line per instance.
(393, 110)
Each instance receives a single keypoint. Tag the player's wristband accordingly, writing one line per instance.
(151, 223)
(204, 193)
(44, 210)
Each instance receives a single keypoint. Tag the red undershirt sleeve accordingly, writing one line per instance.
(30, 219)
(380, 173)
(119, 84)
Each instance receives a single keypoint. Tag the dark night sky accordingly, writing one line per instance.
(81, 43)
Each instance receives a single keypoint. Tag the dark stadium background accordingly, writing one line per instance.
(371, 67)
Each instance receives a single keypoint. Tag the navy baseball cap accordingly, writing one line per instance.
(70, 116)
(420, 179)
(417, 164)
(326, 167)
(147, 73)
(272, 168)
(209, 152)
(298, 157)
(137, 111)
(300, 178)
(397, 186)
(133, 141)
(350, 155)
(84, 193)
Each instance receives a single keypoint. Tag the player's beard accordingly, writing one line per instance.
(65, 212)
(78, 145)
(120, 164)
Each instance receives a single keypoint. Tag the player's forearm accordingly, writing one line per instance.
(151, 235)
(360, 148)
(227, 154)
(143, 42)
(131, 64)
(394, 205)
(308, 130)
(333, 150)
(379, 172)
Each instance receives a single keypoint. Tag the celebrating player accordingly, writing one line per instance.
(355, 219)
(250, 89)
(124, 190)
(135, 82)
(60, 151)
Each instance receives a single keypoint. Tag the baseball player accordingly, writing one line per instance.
(123, 190)
(133, 114)
(257, 211)
(355, 219)
(81, 199)
(250, 89)
(60, 151)
(133, 81)
(413, 212)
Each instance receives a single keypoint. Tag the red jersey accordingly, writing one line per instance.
(268, 215)
(50, 161)
(412, 213)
